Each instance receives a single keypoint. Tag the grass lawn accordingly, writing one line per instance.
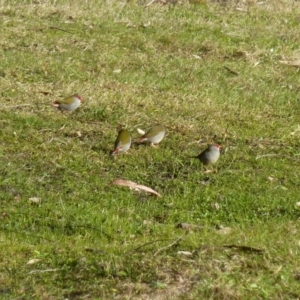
(223, 72)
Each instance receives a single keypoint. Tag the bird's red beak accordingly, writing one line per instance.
(115, 151)
(55, 104)
(79, 97)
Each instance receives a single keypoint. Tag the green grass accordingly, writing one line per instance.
(136, 66)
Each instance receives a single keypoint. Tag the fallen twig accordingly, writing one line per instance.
(50, 27)
(57, 28)
(15, 106)
(273, 155)
(148, 4)
(230, 71)
(244, 248)
(291, 63)
(169, 246)
(42, 271)
(236, 247)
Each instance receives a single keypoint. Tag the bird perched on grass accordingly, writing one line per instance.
(154, 135)
(122, 143)
(210, 155)
(70, 103)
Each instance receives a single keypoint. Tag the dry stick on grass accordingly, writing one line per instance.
(16, 106)
(245, 248)
(230, 71)
(234, 247)
(169, 246)
(57, 28)
(148, 4)
(50, 27)
(274, 155)
(291, 63)
(42, 271)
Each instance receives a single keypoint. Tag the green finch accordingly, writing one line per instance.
(70, 103)
(154, 135)
(122, 143)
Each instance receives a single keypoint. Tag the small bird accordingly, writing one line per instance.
(154, 135)
(122, 143)
(70, 103)
(210, 155)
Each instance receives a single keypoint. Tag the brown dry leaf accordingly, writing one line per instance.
(140, 131)
(208, 171)
(196, 56)
(35, 200)
(185, 253)
(271, 179)
(291, 63)
(33, 261)
(135, 186)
